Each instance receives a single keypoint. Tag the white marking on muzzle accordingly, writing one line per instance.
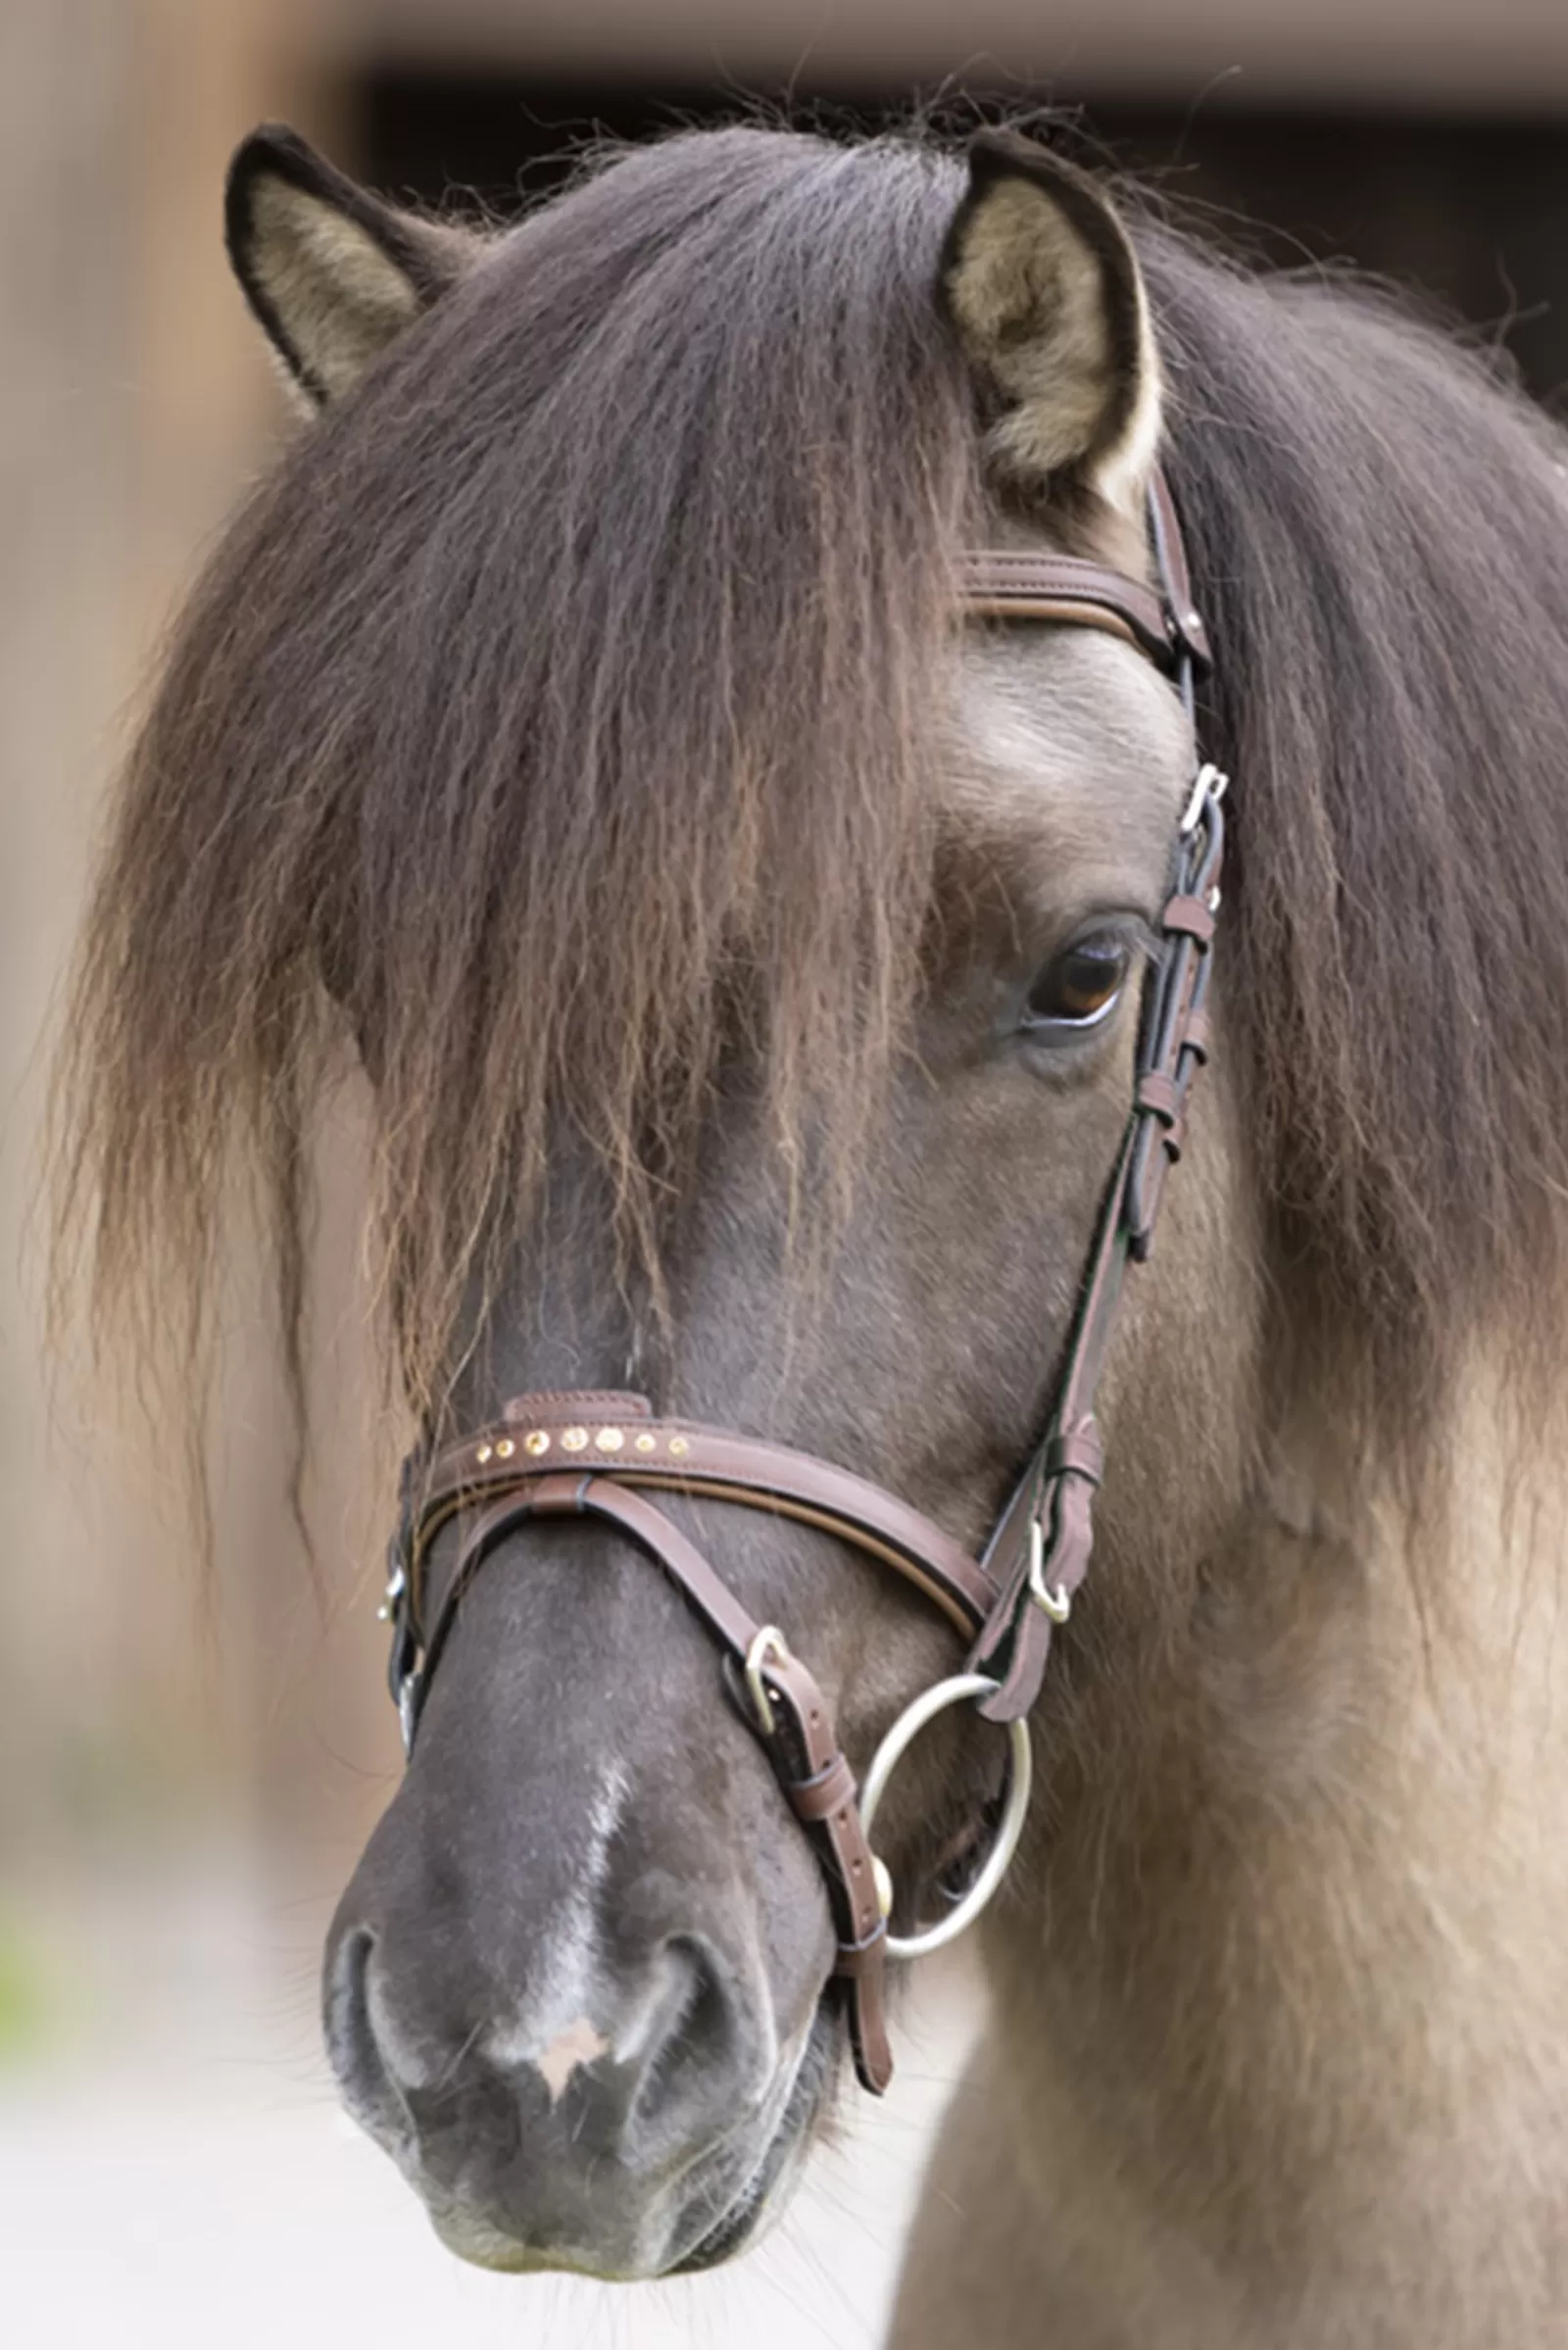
(555, 2029)
(577, 2045)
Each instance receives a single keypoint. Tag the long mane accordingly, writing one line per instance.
(569, 692)
(1379, 524)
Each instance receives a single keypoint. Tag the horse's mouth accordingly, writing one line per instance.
(742, 2218)
(730, 2221)
(762, 2198)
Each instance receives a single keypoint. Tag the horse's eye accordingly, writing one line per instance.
(1080, 986)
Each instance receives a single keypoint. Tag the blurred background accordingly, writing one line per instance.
(186, 1773)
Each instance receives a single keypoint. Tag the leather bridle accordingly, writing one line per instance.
(605, 1456)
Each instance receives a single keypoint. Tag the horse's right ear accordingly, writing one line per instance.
(333, 273)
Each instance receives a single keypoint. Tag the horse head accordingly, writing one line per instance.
(703, 717)
(579, 1982)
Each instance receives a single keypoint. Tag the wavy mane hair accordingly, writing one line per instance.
(572, 690)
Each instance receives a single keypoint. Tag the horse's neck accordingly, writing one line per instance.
(1309, 1919)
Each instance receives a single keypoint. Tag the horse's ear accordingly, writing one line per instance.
(1043, 285)
(333, 273)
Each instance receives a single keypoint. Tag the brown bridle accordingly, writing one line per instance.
(603, 1456)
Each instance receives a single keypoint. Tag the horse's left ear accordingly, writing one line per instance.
(333, 273)
(1043, 285)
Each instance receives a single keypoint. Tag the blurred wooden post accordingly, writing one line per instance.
(134, 400)
(86, 1623)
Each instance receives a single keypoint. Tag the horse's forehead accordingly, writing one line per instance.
(1066, 738)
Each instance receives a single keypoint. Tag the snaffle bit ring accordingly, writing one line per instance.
(885, 1761)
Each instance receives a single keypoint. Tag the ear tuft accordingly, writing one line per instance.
(331, 273)
(1043, 286)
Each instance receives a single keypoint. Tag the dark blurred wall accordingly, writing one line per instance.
(1471, 213)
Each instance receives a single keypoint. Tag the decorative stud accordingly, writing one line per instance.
(536, 1441)
(506, 1449)
(482, 1455)
(680, 1445)
(610, 1440)
(574, 1439)
(646, 1444)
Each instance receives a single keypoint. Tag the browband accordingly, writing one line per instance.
(1024, 583)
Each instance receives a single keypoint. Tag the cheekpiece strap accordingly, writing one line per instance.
(1040, 1551)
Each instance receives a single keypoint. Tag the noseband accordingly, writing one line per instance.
(605, 1456)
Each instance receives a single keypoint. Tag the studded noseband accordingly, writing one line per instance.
(606, 1456)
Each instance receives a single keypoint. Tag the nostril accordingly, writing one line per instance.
(366, 2084)
(692, 2043)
